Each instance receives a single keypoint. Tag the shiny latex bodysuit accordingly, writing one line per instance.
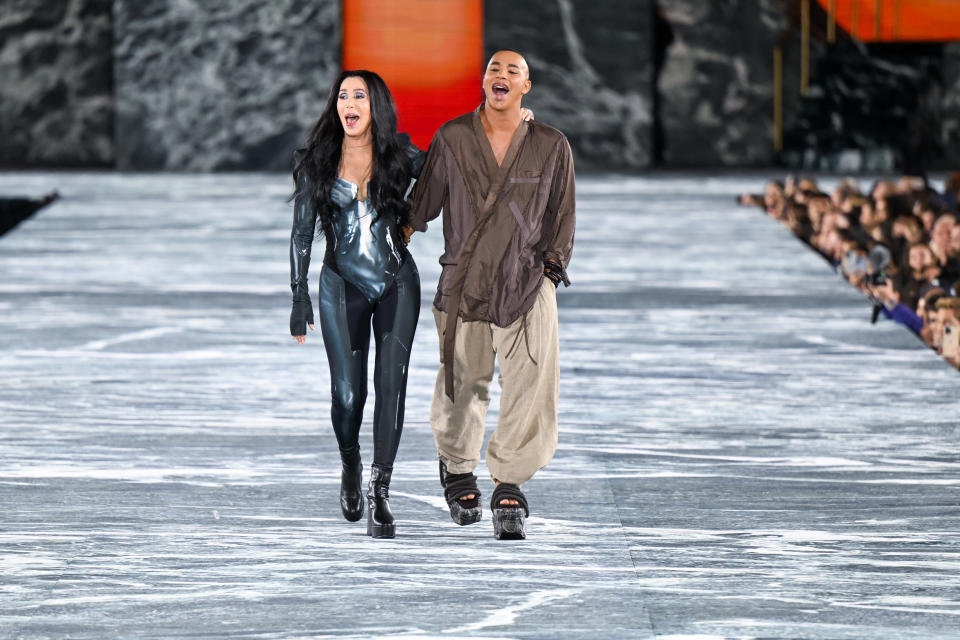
(368, 278)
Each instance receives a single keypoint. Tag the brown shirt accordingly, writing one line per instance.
(500, 223)
(529, 219)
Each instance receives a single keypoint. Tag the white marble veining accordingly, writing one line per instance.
(742, 454)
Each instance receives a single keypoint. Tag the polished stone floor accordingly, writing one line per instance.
(742, 455)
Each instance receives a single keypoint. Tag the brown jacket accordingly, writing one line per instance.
(500, 223)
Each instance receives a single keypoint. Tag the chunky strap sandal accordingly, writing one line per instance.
(455, 487)
(509, 519)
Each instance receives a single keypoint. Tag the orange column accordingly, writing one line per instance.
(429, 52)
(891, 20)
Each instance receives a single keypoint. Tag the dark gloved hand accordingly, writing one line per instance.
(553, 271)
(300, 316)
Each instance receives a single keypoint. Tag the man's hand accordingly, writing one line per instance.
(526, 114)
(406, 231)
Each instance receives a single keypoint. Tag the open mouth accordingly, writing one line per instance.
(351, 119)
(500, 89)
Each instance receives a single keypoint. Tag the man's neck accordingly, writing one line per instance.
(505, 121)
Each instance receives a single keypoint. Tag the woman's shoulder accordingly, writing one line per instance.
(414, 154)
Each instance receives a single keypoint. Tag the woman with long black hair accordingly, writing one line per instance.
(350, 182)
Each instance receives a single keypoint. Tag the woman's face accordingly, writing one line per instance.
(353, 106)
(941, 231)
(919, 258)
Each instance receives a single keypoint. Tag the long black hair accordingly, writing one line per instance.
(317, 163)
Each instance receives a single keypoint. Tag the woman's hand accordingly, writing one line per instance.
(526, 114)
(301, 316)
(406, 231)
(302, 339)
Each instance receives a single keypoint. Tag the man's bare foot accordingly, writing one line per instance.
(506, 501)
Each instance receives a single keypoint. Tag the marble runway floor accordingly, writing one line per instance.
(742, 455)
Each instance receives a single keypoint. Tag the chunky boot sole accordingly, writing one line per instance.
(351, 493)
(508, 523)
(465, 515)
(378, 530)
(352, 516)
(351, 512)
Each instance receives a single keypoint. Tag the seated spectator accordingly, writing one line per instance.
(927, 310)
(941, 241)
(893, 309)
(907, 223)
(881, 189)
(907, 230)
(913, 275)
(845, 191)
(948, 326)
(951, 190)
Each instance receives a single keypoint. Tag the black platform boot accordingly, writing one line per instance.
(380, 523)
(351, 484)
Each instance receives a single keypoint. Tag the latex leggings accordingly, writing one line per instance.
(346, 317)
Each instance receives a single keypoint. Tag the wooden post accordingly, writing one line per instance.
(777, 99)
(877, 17)
(855, 19)
(804, 46)
(832, 21)
(896, 19)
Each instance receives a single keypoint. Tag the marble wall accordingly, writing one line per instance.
(56, 94)
(592, 70)
(220, 85)
(950, 131)
(716, 85)
(236, 84)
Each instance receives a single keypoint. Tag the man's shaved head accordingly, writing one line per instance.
(523, 64)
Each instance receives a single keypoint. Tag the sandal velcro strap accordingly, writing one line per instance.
(506, 491)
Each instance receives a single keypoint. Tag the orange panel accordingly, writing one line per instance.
(429, 52)
(919, 20)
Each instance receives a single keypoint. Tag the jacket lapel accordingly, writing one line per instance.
(500, 172)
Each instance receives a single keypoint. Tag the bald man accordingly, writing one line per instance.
(506, 189)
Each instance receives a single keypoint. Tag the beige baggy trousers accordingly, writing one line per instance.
(526, 435)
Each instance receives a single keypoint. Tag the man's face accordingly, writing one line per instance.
(942, 230)
(943, 318)
(506, 80)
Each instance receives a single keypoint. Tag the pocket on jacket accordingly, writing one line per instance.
(527, 177)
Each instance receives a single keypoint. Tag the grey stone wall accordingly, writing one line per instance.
(56, 93)
(951, 105)
(220, 84)
(592, 69)
(717, 82)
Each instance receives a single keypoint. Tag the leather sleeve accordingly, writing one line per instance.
(301, 241)
(430, 192)
(414, 154)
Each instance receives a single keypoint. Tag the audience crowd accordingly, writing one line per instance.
(899, 243)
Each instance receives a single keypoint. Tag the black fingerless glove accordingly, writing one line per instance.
(300, 316)
(554, 271)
